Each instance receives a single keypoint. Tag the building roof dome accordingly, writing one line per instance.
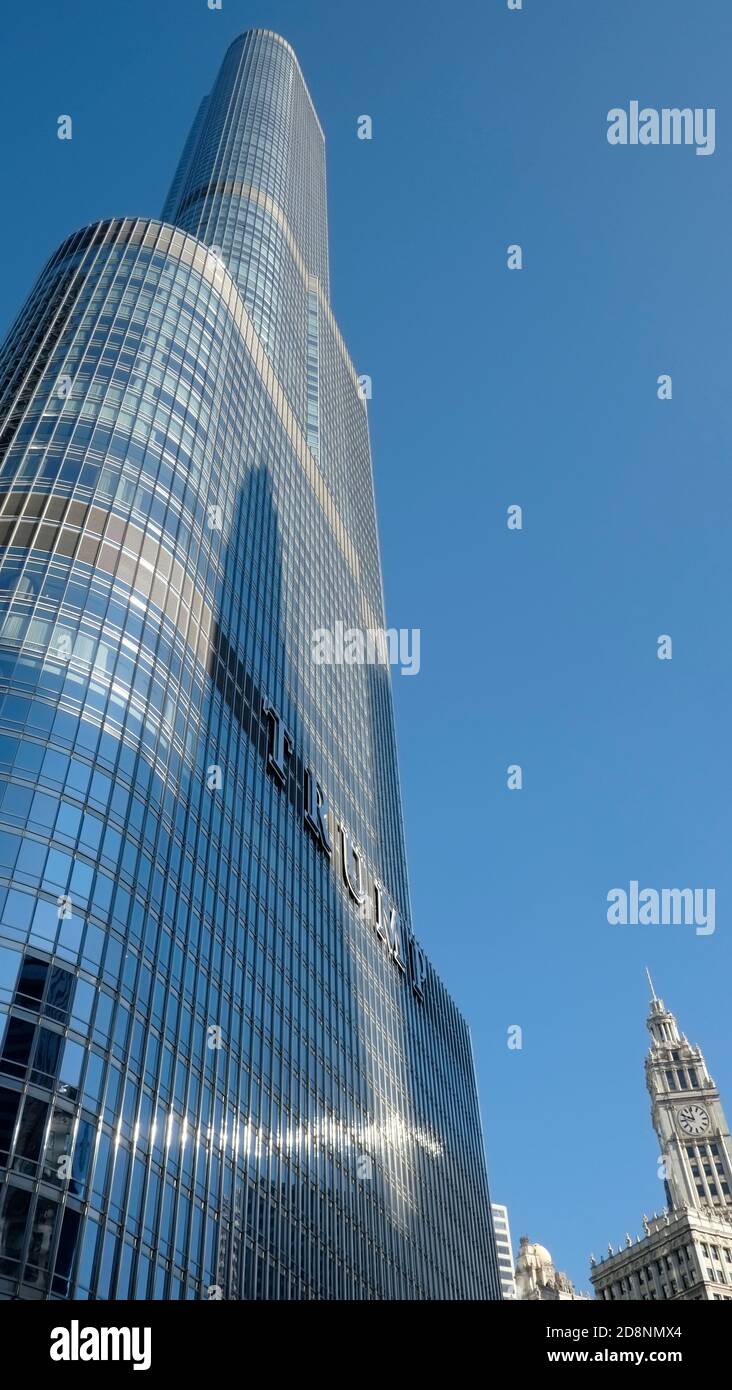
(539, 1253)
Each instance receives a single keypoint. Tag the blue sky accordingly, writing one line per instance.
(493, 388)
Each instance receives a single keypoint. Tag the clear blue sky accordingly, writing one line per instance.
(492, 388)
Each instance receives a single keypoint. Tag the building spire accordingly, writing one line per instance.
(661, 1023)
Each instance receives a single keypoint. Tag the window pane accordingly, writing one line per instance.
(9, 1101)
(66, 1251)
(30, 1135)
(71, 1068)
(46, 1057)
(12, 1229)
(31, 982)
(39, 1249)
(83, 1151)
(60, 989)
(16, 1049)
(58, 1148)
(9, 962)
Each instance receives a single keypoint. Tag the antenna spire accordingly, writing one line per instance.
(650, 981)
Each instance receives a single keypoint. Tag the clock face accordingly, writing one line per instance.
(693, 1119)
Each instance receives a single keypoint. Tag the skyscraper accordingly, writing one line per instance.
(686, 1251)
(227, 1068)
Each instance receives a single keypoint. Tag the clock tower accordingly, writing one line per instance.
(687, 1116)
(685, 1252)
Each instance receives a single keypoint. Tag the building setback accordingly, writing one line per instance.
(502, 1231)
(227, 1069)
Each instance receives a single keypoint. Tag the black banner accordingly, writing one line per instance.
(205, 1340)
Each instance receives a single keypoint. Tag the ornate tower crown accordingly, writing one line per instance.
(687, 1115)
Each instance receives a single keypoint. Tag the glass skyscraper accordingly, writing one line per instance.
(227, 1069)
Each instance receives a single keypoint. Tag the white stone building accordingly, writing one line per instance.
(537, 1278)
(686, 1252)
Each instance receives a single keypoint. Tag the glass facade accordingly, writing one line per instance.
(226, 1067)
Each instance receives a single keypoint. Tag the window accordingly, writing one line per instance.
(9, 1102)
(58, 1148)
(9, 962)
(31, 983)
(70, 1070)
(109, 1251)
(84, 997)
(12, 1229)
(41, 1240)
(17, 1046)
(66, 1249)
(30, 1136)
(83, 1151)
(35, 977)
(45, 1061)
(60, 990)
